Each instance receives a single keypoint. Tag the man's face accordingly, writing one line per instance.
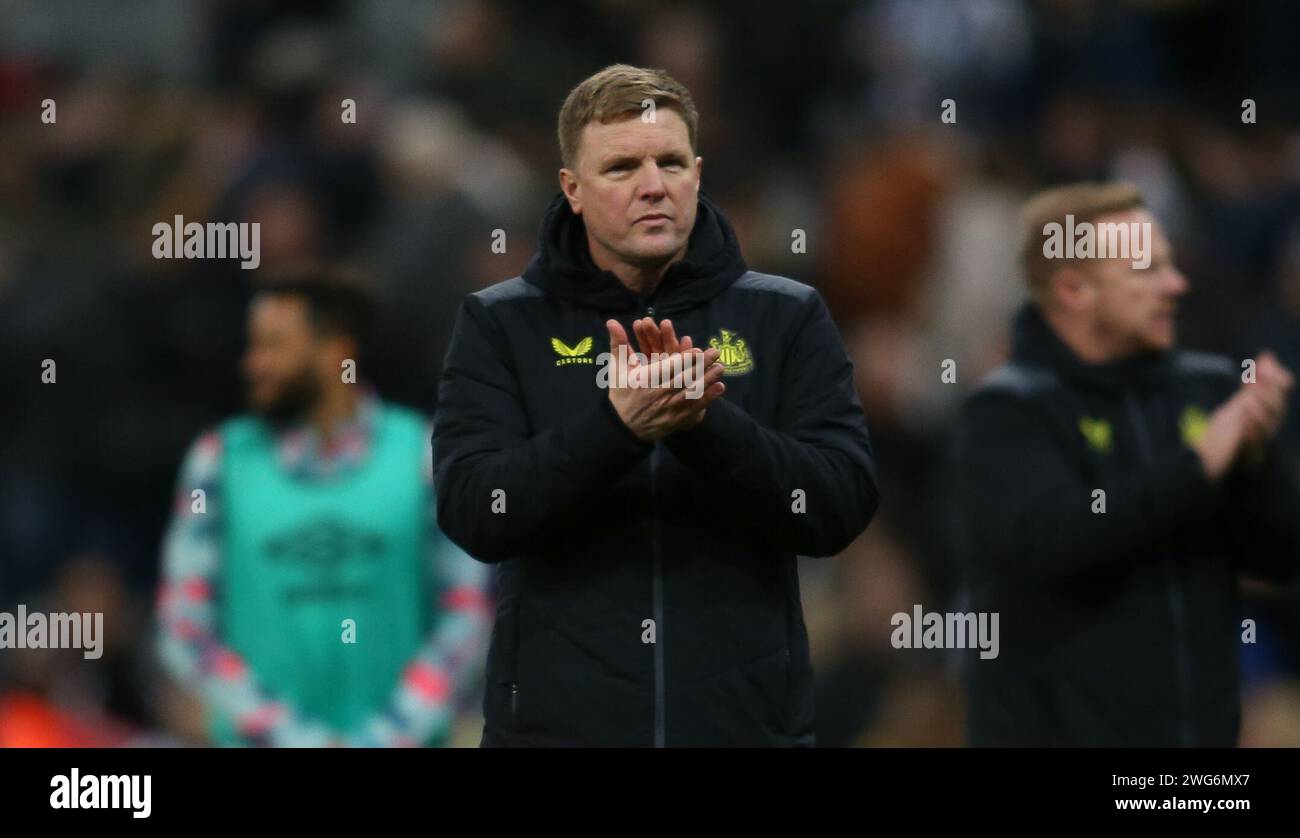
(281, 360)
(1134, 308)
(635, 187)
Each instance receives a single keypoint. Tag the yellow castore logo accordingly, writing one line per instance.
(1098, 433)
(572, 354)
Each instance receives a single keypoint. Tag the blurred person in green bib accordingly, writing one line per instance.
(308, 597)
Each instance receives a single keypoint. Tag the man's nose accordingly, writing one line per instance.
(650, 182)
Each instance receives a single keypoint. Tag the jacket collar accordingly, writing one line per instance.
(562, 266)
(1034, 342)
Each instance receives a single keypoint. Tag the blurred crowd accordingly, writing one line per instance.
(822, 116)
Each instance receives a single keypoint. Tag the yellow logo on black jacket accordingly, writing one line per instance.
(572, 354)
(1098, 433)
(733, 354)
(1192, 425)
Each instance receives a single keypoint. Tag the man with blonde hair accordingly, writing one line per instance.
(1110, 488)
(646, 535)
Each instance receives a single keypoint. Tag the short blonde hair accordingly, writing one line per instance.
(614, 92)
(1086, 202)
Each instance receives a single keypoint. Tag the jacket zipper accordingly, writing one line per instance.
(657, 591)
(1174, 596)
(658, 595)
(656, 578)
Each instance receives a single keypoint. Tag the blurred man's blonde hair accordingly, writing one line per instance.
(1086, 202)
(615, 92)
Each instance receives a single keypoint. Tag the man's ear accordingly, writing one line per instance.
(699, 169)
(569, 186)
(1072, 288)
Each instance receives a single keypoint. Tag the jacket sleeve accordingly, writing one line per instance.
(1268, 518)
(483, 442)
(819, 447)
(1027, 514)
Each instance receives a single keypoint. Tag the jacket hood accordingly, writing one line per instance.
(1034, 342)
(562, 266)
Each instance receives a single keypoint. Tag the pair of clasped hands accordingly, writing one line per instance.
(654, 412)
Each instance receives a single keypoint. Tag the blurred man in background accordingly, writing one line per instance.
(308, 596)
(1111, 487)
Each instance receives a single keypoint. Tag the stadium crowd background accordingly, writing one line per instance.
(822, 116)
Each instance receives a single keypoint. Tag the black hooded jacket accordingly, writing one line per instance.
(647, 593)
(1087, 523)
